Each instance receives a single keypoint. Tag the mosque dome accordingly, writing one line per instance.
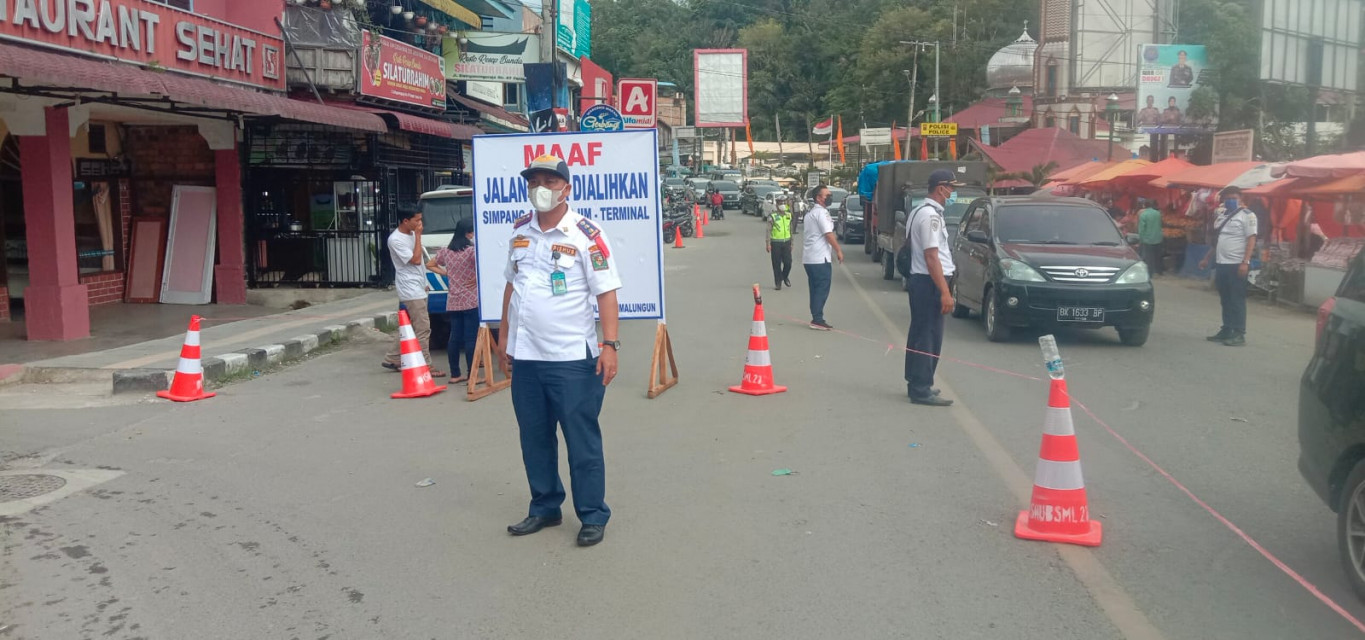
(1012, 66)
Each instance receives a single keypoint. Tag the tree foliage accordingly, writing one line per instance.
(809, 59)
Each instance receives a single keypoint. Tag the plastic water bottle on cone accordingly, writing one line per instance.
(1059, 510)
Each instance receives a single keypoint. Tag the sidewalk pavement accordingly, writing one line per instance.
(228, 349)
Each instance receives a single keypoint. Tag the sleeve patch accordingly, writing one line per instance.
(599, 261)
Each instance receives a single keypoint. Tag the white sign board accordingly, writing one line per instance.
(721, 79)
(611, 186)
(877, 136)
(490, 92)
(684, 133)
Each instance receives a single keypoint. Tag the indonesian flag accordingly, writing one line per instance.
(824, 128)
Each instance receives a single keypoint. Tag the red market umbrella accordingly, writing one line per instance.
(1103, 178)
(1214, 176)
(1330, 166)
(1141, 176)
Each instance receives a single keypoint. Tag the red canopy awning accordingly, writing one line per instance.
(1330, 166)
(1075, 175)
(34, 68)
(1340, 186)
(1101, 179)
(1144, 175)
(1214, 176)
(418, 124)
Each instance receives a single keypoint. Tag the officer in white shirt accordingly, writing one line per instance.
(931, 268)
(1236, 229)
(559, 263)
(819, 247)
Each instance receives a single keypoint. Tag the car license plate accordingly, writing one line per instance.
(1080, 314)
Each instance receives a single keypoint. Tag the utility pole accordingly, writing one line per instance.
(938, 97)
(781, 157)
(549, 29)
(910, 117)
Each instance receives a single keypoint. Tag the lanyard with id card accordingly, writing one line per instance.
(558, 285)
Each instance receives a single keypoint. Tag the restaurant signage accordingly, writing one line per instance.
(148, 34)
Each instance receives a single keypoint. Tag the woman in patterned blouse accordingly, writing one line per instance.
(456, 262)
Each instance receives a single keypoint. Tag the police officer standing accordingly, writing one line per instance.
(779, 243)
(931, 268)
(558, 263)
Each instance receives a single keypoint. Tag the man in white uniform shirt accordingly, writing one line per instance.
(818, 248)
(931, 268)
(410, 279)
(558, 264)
(1235, 228)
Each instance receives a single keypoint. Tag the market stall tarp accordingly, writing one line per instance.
(1079, 171)
(1214, 176)
(1143, 175)
(1101, 179)
(1277, 188)
(1354, 184)
(1329, 166)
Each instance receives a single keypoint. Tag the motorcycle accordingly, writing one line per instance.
(678, 219)
(717, 212)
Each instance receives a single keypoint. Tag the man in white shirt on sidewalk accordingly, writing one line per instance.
(410, 279)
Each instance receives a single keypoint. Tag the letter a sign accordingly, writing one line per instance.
(639, 97)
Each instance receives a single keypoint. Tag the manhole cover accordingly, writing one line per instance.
(23, 487)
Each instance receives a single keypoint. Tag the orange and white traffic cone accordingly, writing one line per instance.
(677, 237)
(701, 229)
(417, 382)
(758, 365)
(188, 384)
(1059, 510)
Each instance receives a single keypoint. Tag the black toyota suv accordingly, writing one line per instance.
(1041, 261)
(1332, 417)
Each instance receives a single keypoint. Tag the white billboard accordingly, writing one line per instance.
(490, 56)
(1311, 42)
(1105, 39)
(721, 78)
(610, 186)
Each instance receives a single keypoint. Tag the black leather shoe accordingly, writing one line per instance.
(932, 392)
(533, 524)
(932, 401)
(787, 281)
(1236, 340)
(591, 534)
(1223, 334)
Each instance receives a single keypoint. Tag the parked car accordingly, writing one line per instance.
(1332, 418)
(441, 209)
(696, 189)
(1029, 261)
(729, 191)
(848, 224)
(674, 187)
(769, 204)
(751, 200)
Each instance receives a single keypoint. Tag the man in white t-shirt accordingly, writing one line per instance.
(1235, 227)
(410, 279)
(931, 269)
(818, 248)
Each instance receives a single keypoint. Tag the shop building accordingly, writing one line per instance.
(121, 166)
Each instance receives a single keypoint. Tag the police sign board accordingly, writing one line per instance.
(601, 117)
(639, 100)
(938, 129)
(610, 186)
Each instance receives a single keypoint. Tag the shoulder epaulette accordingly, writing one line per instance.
(522, 221)
(589, 229)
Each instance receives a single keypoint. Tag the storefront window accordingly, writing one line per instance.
(96, 233)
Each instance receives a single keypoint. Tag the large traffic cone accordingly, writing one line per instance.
(417, 382)
(758, 365)
(677, 237)
(1059, 511)
(188, 384)
(701, 229)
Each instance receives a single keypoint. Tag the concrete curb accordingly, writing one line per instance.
(217, 367)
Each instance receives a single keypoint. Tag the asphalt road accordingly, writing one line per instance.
(286, 507)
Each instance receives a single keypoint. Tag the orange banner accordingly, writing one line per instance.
(841, 140)
(895, 142)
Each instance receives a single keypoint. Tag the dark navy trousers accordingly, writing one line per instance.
(926, 336)
(568, 395)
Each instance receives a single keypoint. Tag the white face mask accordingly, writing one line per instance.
(544, 199)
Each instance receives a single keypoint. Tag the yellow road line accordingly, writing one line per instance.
(1117, 605)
